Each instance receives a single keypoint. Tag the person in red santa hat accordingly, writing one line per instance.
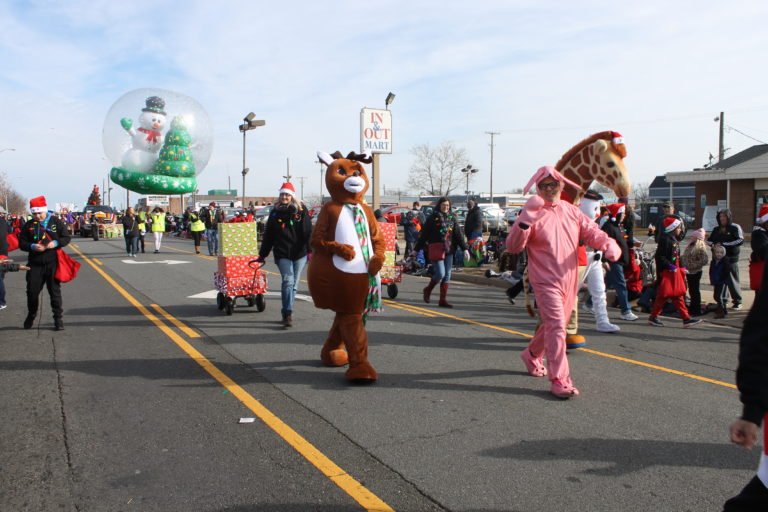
(287, 234)
(671, 283)
(614, 278)
(41, 237)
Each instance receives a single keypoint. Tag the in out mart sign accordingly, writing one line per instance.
(375, 130)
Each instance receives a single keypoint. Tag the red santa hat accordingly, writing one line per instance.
(287, 188)
(616, 209)
(671, 224)
(762, 217)
(38, 205)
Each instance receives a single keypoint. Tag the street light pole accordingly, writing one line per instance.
(469, 170)
(249, 123)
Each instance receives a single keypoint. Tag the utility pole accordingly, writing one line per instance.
(301, 179)
(287, 169)
(721, 154)
(491, 134)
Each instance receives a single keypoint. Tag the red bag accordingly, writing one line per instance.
(67, 267)
(437, 251)
(756, 274)
(13, 242)
(672, 284)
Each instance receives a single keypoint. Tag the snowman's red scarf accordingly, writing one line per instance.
(152, 135)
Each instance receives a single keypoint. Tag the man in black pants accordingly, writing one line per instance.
(730, 236)
(752, 381)
(41, 237)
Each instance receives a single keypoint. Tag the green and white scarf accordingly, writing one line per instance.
(373, 298)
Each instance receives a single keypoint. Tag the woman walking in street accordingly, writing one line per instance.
(288, 230)
(196, 228)
(158, 226)
(131, 232)
(441, 232)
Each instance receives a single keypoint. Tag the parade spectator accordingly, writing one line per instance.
(196, 228)
(473, 231)
(412, 222)
(752, 381)
(131, 232)
(379, 216)
(657, 227)
(144, 220)
(4, 230)
(41, 237)
(614, 278)
(759, 244)
(551, 230)
(671, 281)
(695, 258)
(287, 233)
(442, 234)
(211, 221)
(730, 236)
(158, 226)
(720, 277)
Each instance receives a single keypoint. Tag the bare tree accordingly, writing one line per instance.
(641, 193)
(437, 171)
(9, 198)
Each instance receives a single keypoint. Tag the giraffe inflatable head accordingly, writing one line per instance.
(599, 157)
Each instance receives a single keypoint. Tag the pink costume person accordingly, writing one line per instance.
(551, 229)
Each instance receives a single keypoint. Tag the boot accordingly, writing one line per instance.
(58, 324)
(29, 321)
(443, 294)
(428, 290)
(197, 249)
(288, 320)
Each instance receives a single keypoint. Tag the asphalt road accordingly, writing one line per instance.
(126, 410)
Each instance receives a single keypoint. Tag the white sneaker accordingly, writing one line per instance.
(607, 327)
(587, 308)
(629, 316)
(3, 306)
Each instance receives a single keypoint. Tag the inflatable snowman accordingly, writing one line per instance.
(163, 149)
(147, 140)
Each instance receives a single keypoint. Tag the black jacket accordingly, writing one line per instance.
(729, 236)
(33, 233)
(130, 225)
(4, 230)
(209, 218)
(759, 245)
(667, 253)
(287, 233)
(614, 231)
(752, 372)
(431, 233)
(474, 222)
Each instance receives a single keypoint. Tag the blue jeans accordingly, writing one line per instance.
(213, 241)
(614, 278)
(442, 269)
(290, 272)
(131, 244)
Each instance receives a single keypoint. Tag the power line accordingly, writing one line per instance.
(747, 136)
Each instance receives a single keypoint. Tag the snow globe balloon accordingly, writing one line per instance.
(158, 141)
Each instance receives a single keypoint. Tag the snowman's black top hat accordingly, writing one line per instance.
(155, 104)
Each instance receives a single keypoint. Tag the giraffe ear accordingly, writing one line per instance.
(601, 146)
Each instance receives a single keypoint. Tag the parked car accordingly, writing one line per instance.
(394, 213)
(229, 213)
(512, 214)
(494, 215)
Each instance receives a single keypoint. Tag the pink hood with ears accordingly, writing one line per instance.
(545, 172)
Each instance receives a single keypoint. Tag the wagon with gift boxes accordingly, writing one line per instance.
(239, 273)
(390, 273)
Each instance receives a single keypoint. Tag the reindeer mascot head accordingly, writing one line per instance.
(347, 254)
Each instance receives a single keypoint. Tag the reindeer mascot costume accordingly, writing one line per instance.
(347, 254)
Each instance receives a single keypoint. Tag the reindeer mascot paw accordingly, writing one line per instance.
(347, 254)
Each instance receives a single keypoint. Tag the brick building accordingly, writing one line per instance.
(739, 182)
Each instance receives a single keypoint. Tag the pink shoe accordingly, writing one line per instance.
(534, 365)
(563, 388)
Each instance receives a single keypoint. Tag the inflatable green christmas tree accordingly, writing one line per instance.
(175, 157)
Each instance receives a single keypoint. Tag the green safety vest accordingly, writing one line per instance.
(142, 221)
(196, 224)
(158, 222)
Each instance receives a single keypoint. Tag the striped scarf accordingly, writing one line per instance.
(373, 298)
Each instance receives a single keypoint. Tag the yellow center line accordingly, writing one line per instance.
(191, 252)
(175, 321)
(97, 261)
(419, 310)
(352, 487)
(409, 309)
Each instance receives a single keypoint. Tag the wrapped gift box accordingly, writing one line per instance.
(240, 285)
(237, 239)
(391, 274)
(233, 266)
(390, 234)
(389, 258)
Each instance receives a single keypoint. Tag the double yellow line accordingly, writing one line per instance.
(352, 487)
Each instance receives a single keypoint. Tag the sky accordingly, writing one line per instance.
(544, 75)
